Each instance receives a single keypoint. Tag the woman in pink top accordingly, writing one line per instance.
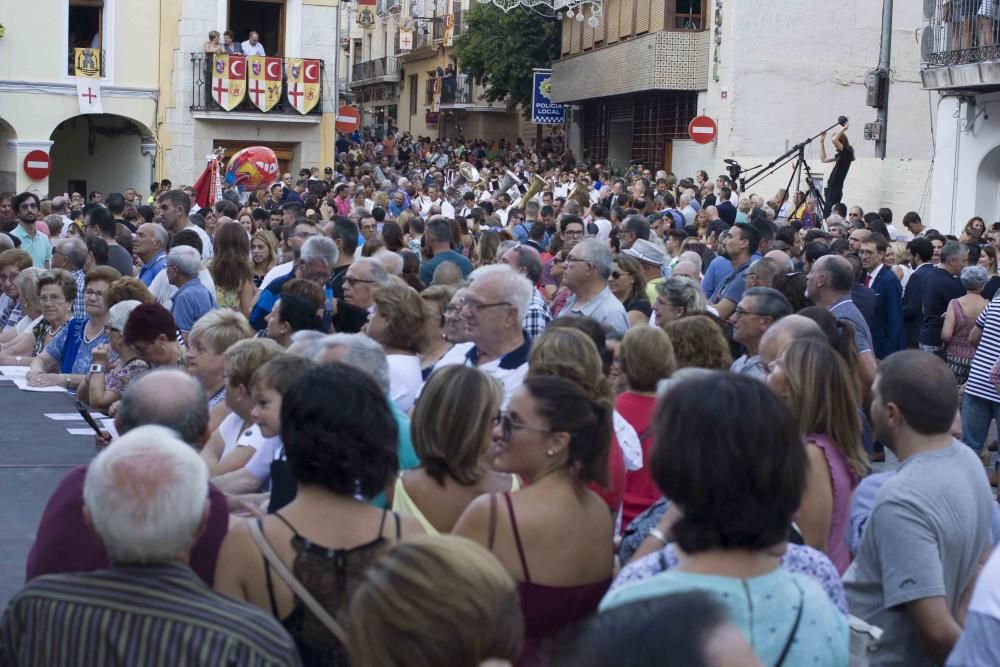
(645, 357)
(815, 383)
(959, 319)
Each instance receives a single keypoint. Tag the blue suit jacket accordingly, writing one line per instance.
(888, 335)
(913, 303)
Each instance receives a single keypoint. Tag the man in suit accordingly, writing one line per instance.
(921, 251)
(887, 326)
(617, 191)
(725, 207)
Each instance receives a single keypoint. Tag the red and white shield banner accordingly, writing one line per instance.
(304, 87)
(264, 81)
(229, 77)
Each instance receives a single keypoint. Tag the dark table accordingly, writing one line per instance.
(35, 453)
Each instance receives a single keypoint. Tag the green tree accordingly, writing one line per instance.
(505, 48)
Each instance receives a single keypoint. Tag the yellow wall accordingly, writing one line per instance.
(170, 13)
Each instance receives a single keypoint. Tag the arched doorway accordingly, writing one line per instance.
(988, 187)
(8, 158)
(101, 152)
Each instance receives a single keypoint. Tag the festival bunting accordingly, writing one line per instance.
(229, 80)
(303, 84)
(264, 81)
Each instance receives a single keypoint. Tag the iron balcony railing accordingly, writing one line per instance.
(454, 90)
(960, 31)
(201, 90)
(386, 66)
(439, 25)
(422, 38)
(384, 6)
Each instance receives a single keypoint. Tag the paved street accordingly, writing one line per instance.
(35, 453)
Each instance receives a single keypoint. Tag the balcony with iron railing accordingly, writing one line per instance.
(456, 91)
(960, 44)
(422, 39)
(385, 6)
(202, 102)
(439, 26)
(377, 70)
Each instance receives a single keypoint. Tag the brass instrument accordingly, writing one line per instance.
(580, 187)
(537, 184)
(467, 180)
(509, 180)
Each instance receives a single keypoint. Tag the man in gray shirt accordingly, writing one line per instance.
(930, 525)
(588, 266)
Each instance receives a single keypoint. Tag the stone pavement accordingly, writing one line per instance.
(35, 453)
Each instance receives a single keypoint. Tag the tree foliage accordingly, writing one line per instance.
(504, 48)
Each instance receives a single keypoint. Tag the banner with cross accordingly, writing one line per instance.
(303, 83)
(229, 80)
(264, 81)
(87, 70)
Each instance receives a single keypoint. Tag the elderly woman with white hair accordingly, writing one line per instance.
(27, 289)
(103, 390)
(960, 318)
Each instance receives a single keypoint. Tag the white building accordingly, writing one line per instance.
(963, 73)
(771, 74)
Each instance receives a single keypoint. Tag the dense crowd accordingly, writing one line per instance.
(457, 402)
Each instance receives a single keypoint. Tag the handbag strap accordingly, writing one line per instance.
(328, 621)
(795, 627)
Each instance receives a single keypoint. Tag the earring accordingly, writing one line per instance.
(550, 452)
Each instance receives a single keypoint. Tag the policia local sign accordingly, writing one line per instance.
(543, 110)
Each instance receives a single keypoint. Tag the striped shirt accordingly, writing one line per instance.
(987, 353)
(137, 615)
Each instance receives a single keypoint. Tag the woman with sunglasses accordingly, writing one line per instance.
(628, 283)
(554, 536)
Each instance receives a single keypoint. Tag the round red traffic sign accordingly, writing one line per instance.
(37, 165)
(702, 130)
(348, 119)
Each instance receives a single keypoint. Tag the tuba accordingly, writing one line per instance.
(466, 180)
(537, 184)
(509, 180)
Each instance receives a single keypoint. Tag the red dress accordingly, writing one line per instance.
(615, 490)
(640, 489)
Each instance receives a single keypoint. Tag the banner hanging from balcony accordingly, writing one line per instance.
(449, 27)
(264, 81)
(87, 69)
(543, 110)
(405, 39)
(229, 80)
(366, 13)
(303, 84)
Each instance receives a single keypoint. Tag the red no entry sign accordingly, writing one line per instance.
(702, 130)
(37, 165)
(348, 119)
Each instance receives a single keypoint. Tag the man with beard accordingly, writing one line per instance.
(33, 242)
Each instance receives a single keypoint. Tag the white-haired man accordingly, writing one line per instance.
(493, 312)
(588, 266)
(146, 499)
(192, 299)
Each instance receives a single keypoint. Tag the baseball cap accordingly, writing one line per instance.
(328, 170)
(646, 251)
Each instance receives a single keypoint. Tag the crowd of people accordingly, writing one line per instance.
(393, 414)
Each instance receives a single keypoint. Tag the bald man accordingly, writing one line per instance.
(780, 334)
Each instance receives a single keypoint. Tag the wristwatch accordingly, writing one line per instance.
(17, 361)
(97, 368)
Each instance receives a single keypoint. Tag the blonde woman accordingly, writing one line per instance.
(814, 382)
(428, 587)
(452, 429)
(263, 255)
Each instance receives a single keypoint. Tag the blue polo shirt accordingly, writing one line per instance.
(151, 268)
(191, 302)
(38, 246)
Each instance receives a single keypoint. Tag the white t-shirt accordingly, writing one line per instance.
(447, 210)
(230, 430)
(405, 379)
(164, 291)
(603, 229)
(206, 242)
(275, 273)
(259, 464)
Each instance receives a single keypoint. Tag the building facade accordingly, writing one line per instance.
(960, 50)
(39, 109)
(635, 82)
(394, 79)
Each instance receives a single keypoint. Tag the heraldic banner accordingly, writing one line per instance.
(229, 80)
(264, 81)
(303, 83)
(87, 70)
